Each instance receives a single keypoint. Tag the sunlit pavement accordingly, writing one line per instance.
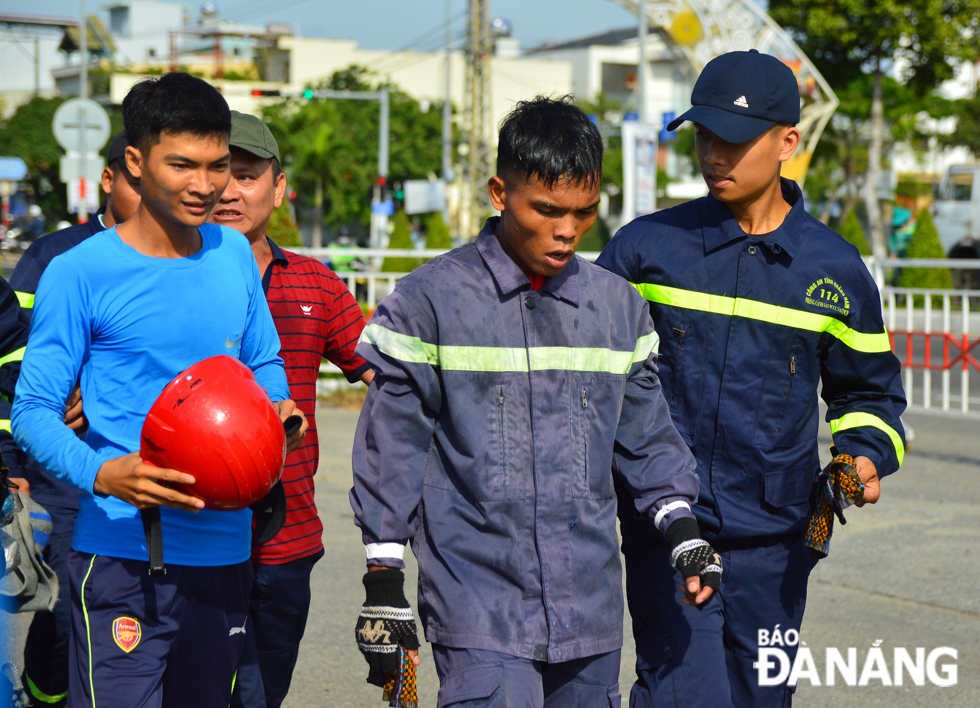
(904, 572)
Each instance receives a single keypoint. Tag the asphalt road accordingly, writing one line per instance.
(904, 572)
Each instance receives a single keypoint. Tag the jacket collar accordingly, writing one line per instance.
(719, 227)
(510, 278)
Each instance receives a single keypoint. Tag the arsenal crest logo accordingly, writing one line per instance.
(127, 632)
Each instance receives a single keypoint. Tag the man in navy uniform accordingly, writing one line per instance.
(756, 303)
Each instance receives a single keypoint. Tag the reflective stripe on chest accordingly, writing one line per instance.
(508, 359)
(762, 311)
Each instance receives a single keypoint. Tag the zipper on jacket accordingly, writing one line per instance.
(503, 437)
(789, 390)
(680, 345)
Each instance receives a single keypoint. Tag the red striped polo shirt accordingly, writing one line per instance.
(316, 317)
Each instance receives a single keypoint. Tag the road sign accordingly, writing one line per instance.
(12, 169)
(74, 168)
(79, 190)
(423, 196)
(385, 208)
(76, 114)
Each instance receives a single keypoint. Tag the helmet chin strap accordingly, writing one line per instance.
(153, 530)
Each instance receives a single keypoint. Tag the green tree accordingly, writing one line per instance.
(27, 134)
(401, 238)
(848, 39)
(925, 244)
(967, 131)
(437, 233)
(852, 232)
(282, 228)
(330, 146)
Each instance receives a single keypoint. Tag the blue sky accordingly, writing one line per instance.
(394, 24)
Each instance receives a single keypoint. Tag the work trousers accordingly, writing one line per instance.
(479, 678)
(704, 658)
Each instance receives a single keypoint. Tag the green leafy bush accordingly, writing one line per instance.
(925, 244)
(437, 233)
(401, 238)
(283, 229)
(853, 233)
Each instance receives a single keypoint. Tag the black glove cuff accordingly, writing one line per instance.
(385, 587)
(684, 529)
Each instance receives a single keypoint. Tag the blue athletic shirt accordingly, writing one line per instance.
(130, 323)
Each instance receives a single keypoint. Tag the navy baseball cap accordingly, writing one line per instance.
(117, 148)
(741, 95)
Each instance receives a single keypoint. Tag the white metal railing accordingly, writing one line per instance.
(935, 341)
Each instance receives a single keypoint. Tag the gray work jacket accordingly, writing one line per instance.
(490, 437)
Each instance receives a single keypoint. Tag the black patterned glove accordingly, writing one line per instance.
(692, 555)
(385, 621)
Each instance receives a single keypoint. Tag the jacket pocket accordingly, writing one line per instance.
(679, 367)
(502, 473)
(472, 688)
(596, 403)
(787, 394)
(788, 487)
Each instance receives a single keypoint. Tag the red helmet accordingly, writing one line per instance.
(215, 422)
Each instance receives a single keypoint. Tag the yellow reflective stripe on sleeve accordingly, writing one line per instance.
(25, 299)
(400, 346)
(16, 355)
(645, 346)
(5, 425)
(413, 350)
(41, 695)
(755, 310)
(860, 420)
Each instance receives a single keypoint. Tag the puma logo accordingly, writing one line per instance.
(237, 630)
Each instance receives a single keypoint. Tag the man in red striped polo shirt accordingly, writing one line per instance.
(316, 317)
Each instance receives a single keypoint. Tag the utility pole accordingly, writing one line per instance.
(448, 176)
(83, 94)
(644, 66)
(478, 120)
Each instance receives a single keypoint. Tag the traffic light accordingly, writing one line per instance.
(257, 93)
(308, 94)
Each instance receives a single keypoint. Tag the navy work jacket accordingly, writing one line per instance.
(488, 439)
(749, 326)
(14, 326)
(46, 487)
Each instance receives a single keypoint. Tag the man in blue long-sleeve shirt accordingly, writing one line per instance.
(46, 651)
(126, 311)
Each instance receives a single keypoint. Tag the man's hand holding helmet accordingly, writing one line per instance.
(144, 486)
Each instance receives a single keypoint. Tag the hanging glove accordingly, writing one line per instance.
(837, 487)
(692, 555)
(385, 622)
